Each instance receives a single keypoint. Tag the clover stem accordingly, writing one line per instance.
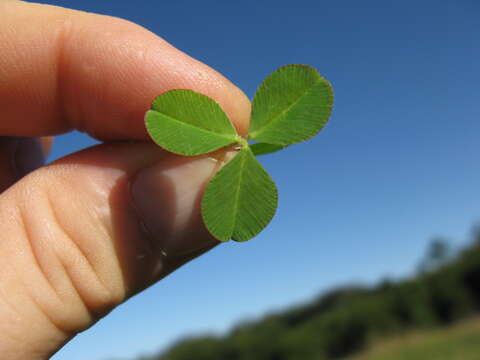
(241, 141)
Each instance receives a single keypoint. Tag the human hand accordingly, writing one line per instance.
(83, 234)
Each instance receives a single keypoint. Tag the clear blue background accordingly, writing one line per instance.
(396, 165)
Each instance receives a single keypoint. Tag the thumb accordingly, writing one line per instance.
(83, 234)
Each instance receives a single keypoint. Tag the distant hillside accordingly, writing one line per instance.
(459, 342)
(345, 321)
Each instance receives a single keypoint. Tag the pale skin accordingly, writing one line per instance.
(82, 235)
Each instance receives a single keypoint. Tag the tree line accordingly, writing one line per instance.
(346, 320)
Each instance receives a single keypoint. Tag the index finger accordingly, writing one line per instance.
(62, 69)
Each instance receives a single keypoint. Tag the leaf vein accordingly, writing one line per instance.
(284, 111)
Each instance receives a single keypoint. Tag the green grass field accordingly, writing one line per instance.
(459, 342)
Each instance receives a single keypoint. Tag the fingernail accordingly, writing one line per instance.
(167, 198)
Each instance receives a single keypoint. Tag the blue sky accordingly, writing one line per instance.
(396, 165)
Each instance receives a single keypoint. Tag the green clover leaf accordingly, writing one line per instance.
(291, 105)
(240, 200)
(265, 148)
(189, 123)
